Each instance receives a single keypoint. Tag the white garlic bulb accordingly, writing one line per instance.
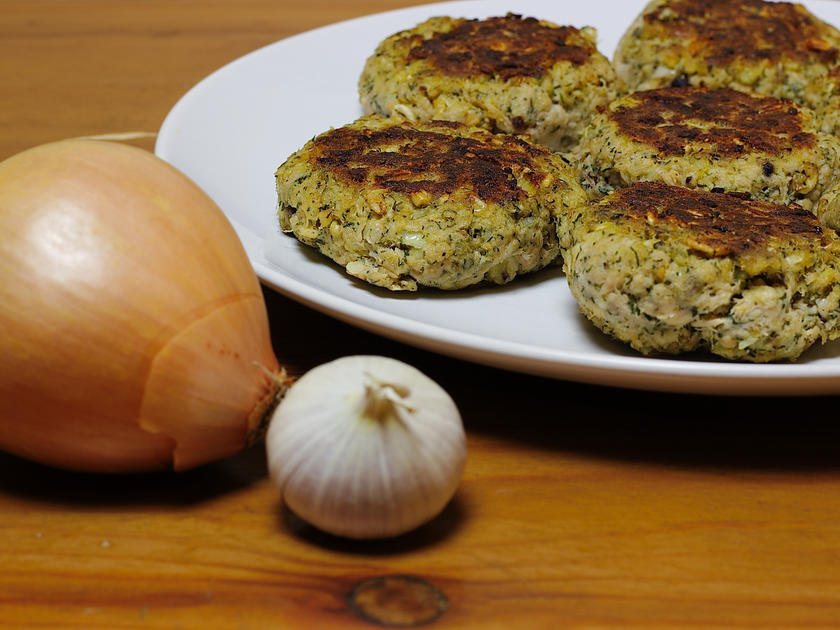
(366, 447)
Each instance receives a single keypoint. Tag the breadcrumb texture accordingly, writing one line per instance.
(506, 74)
(711, 139)
(437, 204)
(670, 270)
(775, 48)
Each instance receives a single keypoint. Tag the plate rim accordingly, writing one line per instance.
(663, 374)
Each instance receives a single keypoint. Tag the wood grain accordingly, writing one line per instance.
(581, 507)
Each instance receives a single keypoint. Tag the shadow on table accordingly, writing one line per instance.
(681, 430)
(444, 525)
(35, 481)
(678, 430)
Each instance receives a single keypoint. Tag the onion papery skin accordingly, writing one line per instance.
(132, 326)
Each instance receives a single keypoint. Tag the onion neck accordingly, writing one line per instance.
(260, 416)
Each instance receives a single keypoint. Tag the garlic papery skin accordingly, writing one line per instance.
(366, 447)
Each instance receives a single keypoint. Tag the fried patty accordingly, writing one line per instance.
(506, 74)
(828, 207)
(670, 270)
(824, 97)
(710, 139)
(437, 204)
(774, 48)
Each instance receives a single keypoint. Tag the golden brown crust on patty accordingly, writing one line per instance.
(754, 30)
(671, 270)
(436, 204)
(717, 224)
(408, 160)
(505, 74)
(732, 122)
(504, 47)
(712, 139)
(775, 48)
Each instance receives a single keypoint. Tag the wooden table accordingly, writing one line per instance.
(581, 506)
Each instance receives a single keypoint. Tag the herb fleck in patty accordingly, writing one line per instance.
(437, 204)
(671, 270)
(508, 74)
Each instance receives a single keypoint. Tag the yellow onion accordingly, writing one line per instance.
(133, 331)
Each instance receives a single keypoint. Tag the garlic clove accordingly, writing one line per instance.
(366, 447)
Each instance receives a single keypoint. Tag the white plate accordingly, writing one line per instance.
(231, 131)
